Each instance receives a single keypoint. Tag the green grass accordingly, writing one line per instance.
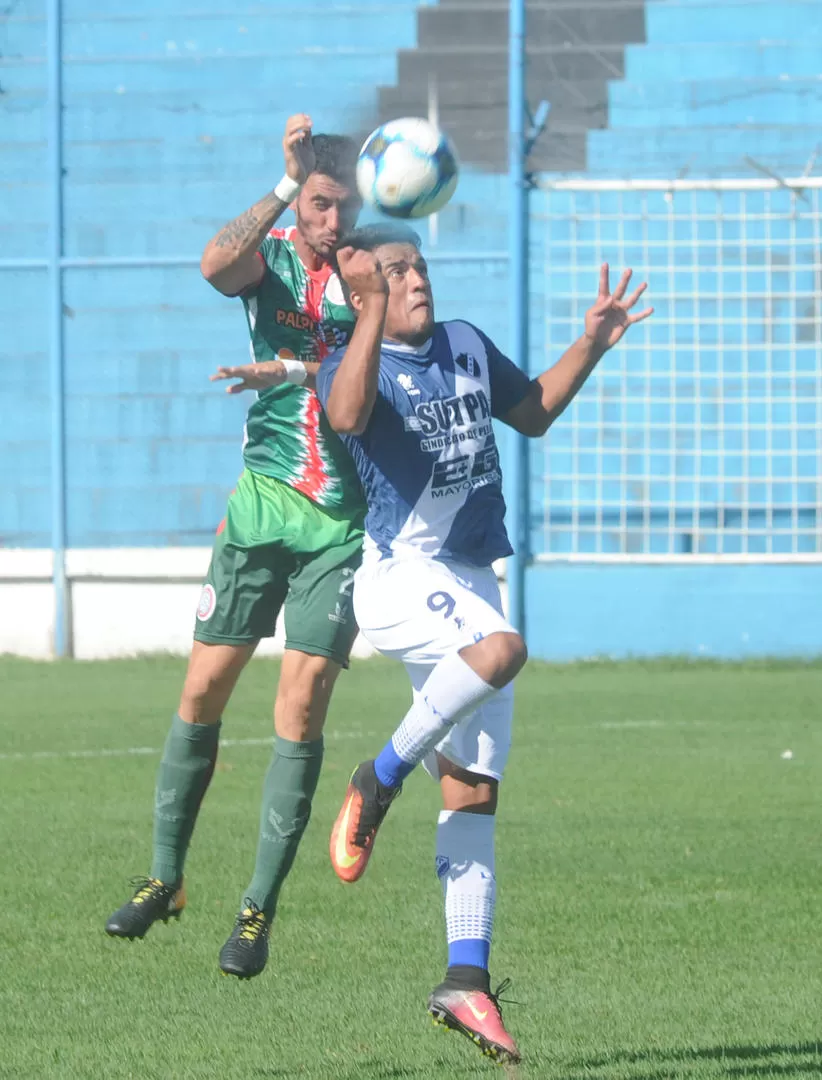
(659, 877)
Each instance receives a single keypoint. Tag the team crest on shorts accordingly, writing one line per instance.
(208, 601)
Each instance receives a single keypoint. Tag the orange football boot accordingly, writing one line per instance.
(352, 838)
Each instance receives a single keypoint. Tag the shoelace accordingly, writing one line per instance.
(251, 922)
(369, 821)
(497, 997)
(147, 889)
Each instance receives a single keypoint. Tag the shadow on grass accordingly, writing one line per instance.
(380, 1069)
(804, 1059)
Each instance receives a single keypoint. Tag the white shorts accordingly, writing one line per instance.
(420, 610)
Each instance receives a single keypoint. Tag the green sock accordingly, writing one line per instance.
(288, 789)
(185, 772)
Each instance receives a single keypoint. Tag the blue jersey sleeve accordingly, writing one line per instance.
(509, 384)
(328, 369)
(325, 376)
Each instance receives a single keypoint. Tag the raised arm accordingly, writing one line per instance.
(230, 261)
(354, 390)
(605, 324)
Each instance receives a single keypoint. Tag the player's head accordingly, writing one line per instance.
(328, 205)
(410, 314)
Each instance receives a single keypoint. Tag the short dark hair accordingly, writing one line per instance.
(368, 237)
(336, 156)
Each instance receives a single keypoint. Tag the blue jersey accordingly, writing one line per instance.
(427, 460)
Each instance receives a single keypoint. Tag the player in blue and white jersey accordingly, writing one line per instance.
(414, 401)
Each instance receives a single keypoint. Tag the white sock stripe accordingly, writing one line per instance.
(469, 915)
(465, 865)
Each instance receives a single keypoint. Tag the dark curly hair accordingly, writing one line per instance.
(368, 237)
(336, 157)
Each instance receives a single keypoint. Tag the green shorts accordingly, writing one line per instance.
(276, 548)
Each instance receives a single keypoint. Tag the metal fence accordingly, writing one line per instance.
(703, 434)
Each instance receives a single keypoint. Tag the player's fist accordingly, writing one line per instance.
(362, 273)
(297, 147)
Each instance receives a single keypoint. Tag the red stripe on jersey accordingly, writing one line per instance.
(314, 479)
(283, 234)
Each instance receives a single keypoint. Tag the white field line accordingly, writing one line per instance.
(622, 725)
(148, 751)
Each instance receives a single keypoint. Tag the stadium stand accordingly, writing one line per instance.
(172, 124)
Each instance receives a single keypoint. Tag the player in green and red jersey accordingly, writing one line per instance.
(290, 541)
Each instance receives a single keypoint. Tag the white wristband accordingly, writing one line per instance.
(295, 371)
(287, 190)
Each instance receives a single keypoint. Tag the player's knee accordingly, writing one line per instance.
(516, 653)
(499, 657)
(203, 698)
(212, 674)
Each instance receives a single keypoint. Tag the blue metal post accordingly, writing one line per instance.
(62, 631)
(518, 233)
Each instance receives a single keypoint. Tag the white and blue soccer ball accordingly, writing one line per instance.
(407, 168)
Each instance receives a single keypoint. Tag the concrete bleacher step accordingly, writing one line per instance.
(255, 33)
(300, 68)
(185, 9)
(454, 63)
(700, 21)
(715, 102)
(555, 23)
(103, 117)
(580, 105)
(726, 60)
(256, 162)
(702, 151)
(462, 54)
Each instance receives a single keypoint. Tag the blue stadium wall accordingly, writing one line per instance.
(172, 125)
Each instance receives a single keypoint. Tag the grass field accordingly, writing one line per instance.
(658, 864)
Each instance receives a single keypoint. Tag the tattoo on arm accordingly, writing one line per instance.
(237, 230)
(249, 229)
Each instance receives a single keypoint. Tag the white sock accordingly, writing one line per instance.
(452, 690)
(465, 866)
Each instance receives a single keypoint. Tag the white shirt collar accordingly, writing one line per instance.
(412, 350)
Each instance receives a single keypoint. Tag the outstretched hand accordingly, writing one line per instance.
(609, 318)
(260, 376)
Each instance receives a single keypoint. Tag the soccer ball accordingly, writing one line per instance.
(407, 168)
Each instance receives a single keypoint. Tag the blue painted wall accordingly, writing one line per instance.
(727, 612)
(716, 82)
(172, 123)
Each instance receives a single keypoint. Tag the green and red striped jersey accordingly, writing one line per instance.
(295, 313)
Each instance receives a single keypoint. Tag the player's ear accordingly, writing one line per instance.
(353, 299)
(355, 302)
